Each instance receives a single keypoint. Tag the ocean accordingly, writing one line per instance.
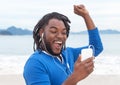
(15, 50)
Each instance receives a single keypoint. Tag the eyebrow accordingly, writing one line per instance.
(53, 27)
(56, 27)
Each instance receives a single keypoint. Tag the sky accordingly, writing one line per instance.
(26, 13)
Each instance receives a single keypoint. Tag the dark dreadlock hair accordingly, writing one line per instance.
(43, 22)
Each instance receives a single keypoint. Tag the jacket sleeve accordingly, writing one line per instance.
(95, 41)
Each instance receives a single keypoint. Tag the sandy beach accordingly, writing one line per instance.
(90, 80)
(12, 79)
(101, 80)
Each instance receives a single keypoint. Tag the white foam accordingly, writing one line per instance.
(107, 64)
(104, 64)
(12, 64)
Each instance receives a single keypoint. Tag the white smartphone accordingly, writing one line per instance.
(86, 53)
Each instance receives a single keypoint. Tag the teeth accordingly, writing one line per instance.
(59, 42)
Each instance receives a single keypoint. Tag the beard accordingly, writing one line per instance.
(48, 48)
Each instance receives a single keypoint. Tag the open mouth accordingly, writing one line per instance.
(58, 45)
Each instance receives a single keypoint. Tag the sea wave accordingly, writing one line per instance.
(104, 64)
(12, 64)
(107, 64)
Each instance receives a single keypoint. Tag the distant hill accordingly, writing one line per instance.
(4, 32)
(19, 31)
(108, 31)
(15, 31)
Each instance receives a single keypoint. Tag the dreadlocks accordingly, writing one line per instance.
(43, 22)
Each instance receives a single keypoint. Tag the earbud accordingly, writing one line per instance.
(42, 35)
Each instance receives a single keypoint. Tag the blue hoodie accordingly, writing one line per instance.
(44, 69)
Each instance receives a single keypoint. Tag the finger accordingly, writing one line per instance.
(89, 59)
(89, 64)
(89, 67)
(79, 59)
(75, 9)
(90, 70)
(81, 6)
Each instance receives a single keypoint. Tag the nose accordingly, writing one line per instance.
(60, 35)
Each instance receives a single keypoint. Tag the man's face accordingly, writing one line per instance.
(55, 35)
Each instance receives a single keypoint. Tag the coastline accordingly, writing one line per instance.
(93, 79)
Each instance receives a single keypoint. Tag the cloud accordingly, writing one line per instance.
(26, 13)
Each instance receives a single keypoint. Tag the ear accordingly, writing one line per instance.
(41, 31)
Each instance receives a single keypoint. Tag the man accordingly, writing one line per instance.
(54, 64)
